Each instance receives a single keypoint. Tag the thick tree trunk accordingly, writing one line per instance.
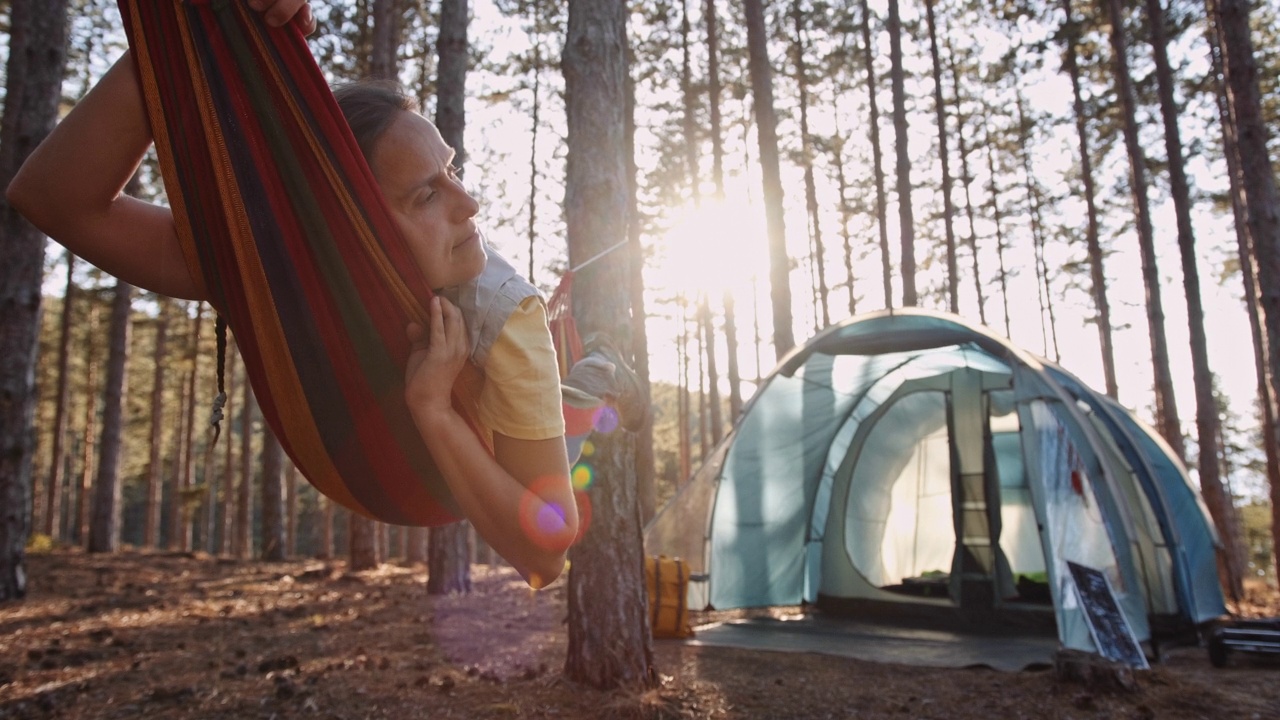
(767, 136)
(62, 402)
(362, 543)
(449, 549)
(608, 644)
(104, 524)
(326, 530)
(383, 59)
(273, 535)
(1256, 193)
(37, 54)
(877, 156)
(290, 509)
(1208, 423)
(948, 209)
(906, 220)
(1166, 405)
(1093, 244)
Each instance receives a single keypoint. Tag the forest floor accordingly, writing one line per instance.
(143, 635)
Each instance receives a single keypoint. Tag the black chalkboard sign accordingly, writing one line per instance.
(1107, 624)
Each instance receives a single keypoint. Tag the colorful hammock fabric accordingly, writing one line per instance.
(279, 214)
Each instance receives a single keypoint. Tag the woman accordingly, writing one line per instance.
(519, 499)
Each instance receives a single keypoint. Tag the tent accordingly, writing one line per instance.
(909, 464)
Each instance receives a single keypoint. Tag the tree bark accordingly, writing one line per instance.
(37, 55)
(906, 219)
(1216, 497)
(362, 544)
(383, 59)
(273, 536)
(997, 219)
(1093, 244)
(155, 457)
(1166, 406)
(688, 120)
(716, 415)
(948, 209)
(242, 538)
(806, 159)
(877, 156)
(187, 471)
(62, 402)
(735, 375)
(767, 137)
(608, 644)
(1256, 193)
(966, 178)
(449, 549)
(228, 500)
(713, 98)
(104, 523)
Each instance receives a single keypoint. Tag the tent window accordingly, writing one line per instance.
(900, 529)
(1019, 531)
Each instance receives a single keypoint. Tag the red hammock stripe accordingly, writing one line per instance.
(281, 217)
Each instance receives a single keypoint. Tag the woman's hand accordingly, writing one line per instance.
(281, 12)
(436, 356)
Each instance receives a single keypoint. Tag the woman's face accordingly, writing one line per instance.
(412, 165)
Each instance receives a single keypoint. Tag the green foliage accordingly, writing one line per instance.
(1256, 520)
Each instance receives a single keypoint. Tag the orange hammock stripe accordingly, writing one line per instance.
(279, 214)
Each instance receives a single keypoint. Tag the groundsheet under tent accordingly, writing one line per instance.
(882, 642)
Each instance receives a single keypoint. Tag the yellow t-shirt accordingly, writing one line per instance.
(520, 397)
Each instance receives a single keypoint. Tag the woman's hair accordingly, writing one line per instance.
(369, 107)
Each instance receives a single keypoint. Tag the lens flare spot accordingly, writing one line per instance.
(583, 476)
(588, 448)
(542, 522)
(606, 419)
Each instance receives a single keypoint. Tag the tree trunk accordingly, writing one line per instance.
(940, 109)
(735, 375)
(683, 402)
(326, 530)
(58, 456)
(646, 472)
(449, 549)
(716, 416)
(1093, 244)
(704, 429)
(104, 524)
(228, 454)
(272, 489)
(383, 60)
(89, 440)
(417, 552)
(1166, 405)
(713, 99)
(37, 54)
(362, 543)
(1256, 195)
(1048, 323)
(1208, 423)
(290, 509)
(242, 538)
(688, 119)
(906, 219)
(767, 136)
(997, 220)
(155, 458)
(186, 474)
(608, 643)
(877, 156)
(806, 159)
(966, 178)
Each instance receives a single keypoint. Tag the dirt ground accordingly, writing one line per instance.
(140, 635)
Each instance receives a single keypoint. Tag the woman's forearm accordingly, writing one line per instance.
(71, 187)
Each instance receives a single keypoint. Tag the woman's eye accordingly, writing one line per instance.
(426, 197)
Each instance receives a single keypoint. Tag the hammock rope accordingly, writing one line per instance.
(280, 216)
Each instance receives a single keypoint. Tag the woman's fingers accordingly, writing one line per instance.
(279, 12)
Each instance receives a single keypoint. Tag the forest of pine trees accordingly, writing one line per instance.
(1094, 179)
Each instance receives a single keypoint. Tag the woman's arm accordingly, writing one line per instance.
(71, 187)
(520, 499)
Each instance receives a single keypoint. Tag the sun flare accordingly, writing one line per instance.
(714, 247)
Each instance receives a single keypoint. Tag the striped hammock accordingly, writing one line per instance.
(278, 212)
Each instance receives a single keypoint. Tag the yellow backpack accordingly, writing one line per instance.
(667, 582)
